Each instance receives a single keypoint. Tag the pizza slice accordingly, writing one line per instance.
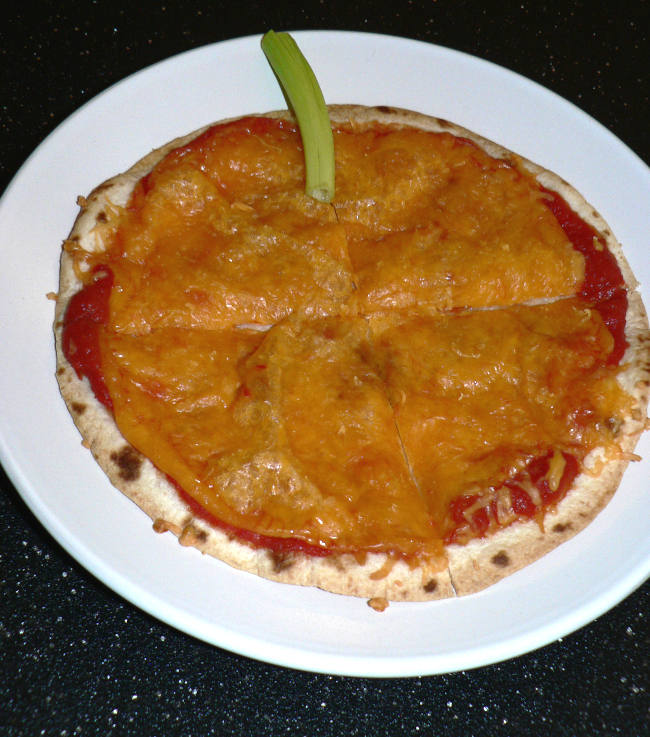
(286, 436)
(438, 217)
(501, 413)
(433, 220)
(220, 233)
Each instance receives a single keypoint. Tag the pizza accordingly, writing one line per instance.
(406, 394)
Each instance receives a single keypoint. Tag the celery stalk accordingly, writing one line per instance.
(305, 97)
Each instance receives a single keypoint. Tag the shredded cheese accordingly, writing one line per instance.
(556, 467)
(505, 512)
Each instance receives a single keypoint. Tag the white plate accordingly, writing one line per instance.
(303, 628)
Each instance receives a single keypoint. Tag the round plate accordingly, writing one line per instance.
(303, 628)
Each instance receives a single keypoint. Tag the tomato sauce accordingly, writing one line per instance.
(604, 286)
(485, 519)
(86, 313)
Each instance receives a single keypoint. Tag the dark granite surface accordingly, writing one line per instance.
(75, 659)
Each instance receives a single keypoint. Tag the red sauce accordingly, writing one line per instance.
(602, 274)
(485, 518)
(604, 286)
(613, 312)
(86, 313)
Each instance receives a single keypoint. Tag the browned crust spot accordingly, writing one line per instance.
(430, 586)
(559, 527)
(129, 461)
(501, 559)
(78, 407)
(281, 561)
(161, 525)
(192, 536)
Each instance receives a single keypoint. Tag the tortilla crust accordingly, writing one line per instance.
(472, 567)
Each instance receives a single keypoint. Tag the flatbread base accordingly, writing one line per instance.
(471, 567)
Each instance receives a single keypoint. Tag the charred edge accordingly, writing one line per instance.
(201, 536)
(128, 461)
(560, 527)
(386, 109)
(281, 561)
(443, 123)
(501, 559)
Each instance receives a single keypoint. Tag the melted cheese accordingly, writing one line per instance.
(198, 248)
(172, 392)
(434, 221)
(477, 396)
(288, 433)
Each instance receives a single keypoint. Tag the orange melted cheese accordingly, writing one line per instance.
(288, 432)
(433, 221)
(478, 396)
(343, 423)
(222, 233)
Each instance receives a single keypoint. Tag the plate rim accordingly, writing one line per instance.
(381, 665)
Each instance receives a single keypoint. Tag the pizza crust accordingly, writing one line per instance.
(472, 567)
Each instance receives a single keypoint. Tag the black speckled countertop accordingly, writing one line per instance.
(78, 660)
